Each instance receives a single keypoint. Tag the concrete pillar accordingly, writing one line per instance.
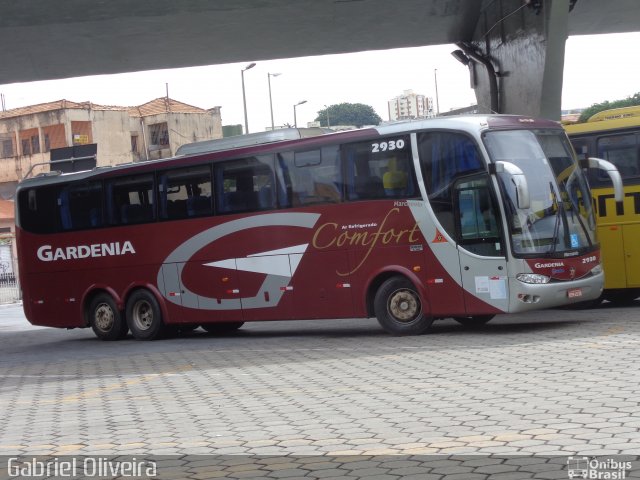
(517, 56)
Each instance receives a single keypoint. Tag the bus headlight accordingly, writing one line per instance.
(597, 270)
(532, 278)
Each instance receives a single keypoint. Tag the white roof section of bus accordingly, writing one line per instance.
(472, 124)
(249, 140)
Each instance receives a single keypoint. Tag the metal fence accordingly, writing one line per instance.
(9, 289)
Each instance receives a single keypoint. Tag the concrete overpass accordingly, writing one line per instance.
(514, 48)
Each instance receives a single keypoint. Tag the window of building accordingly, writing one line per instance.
(54, 137)
(35, 144)
(7, 148)
(134, 143)
(159, 134)
(26, 146)
(81, 133)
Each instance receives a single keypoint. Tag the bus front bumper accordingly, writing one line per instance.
(528, 296)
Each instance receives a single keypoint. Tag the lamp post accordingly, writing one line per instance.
(295, 119)
(326, 109)
(269, 75)
(435, 76)
(244, 98)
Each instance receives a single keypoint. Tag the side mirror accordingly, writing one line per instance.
(611, 170)
(519, 181)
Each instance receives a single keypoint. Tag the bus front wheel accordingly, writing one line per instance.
(105, 318)
(144, 316)
(398, 308)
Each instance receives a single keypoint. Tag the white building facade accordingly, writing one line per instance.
(410, 105)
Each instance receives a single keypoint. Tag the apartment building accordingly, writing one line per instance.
(410, 105)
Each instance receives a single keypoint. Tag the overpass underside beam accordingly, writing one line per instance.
(516, 58)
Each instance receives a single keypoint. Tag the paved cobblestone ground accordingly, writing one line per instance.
(556, 382)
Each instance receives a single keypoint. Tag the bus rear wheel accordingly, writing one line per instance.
(474, 320)
(105, 318)
(221, 328)
(398, 308)
(144, 316)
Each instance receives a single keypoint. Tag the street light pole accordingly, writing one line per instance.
(295, 119)
(326, 109)
(435, 76)
(269, 75)
(244, 98)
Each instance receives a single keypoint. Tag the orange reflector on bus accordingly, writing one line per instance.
(417, 268)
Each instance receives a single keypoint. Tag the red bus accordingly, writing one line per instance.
(463, 217)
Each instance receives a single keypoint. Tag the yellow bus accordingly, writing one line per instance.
(614, 135)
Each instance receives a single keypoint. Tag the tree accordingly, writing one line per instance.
(606, 105)
(357, 114)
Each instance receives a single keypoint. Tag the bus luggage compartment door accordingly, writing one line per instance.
(265, 291)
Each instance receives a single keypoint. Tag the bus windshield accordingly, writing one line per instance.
(560, 217)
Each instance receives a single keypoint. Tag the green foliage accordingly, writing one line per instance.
(357, 114)
(606, 105)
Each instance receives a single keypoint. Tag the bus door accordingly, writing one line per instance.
(481, 249)
(467, 239)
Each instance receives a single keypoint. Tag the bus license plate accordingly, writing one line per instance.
(574, 293)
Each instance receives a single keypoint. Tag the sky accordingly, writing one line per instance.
(597, 68)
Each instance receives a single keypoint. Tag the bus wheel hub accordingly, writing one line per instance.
(403, 306)
(104, 317)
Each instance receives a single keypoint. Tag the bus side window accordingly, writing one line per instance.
(39, 210)
(185, 192)
(445, 157)
(245, 185)
(380, 169)
(477, 217)
(309, 177)
(623, 152)
(130, 200)
(80, 206)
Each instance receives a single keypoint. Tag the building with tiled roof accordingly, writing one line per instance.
(120, 134)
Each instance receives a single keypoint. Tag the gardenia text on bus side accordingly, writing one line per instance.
(47, 253)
